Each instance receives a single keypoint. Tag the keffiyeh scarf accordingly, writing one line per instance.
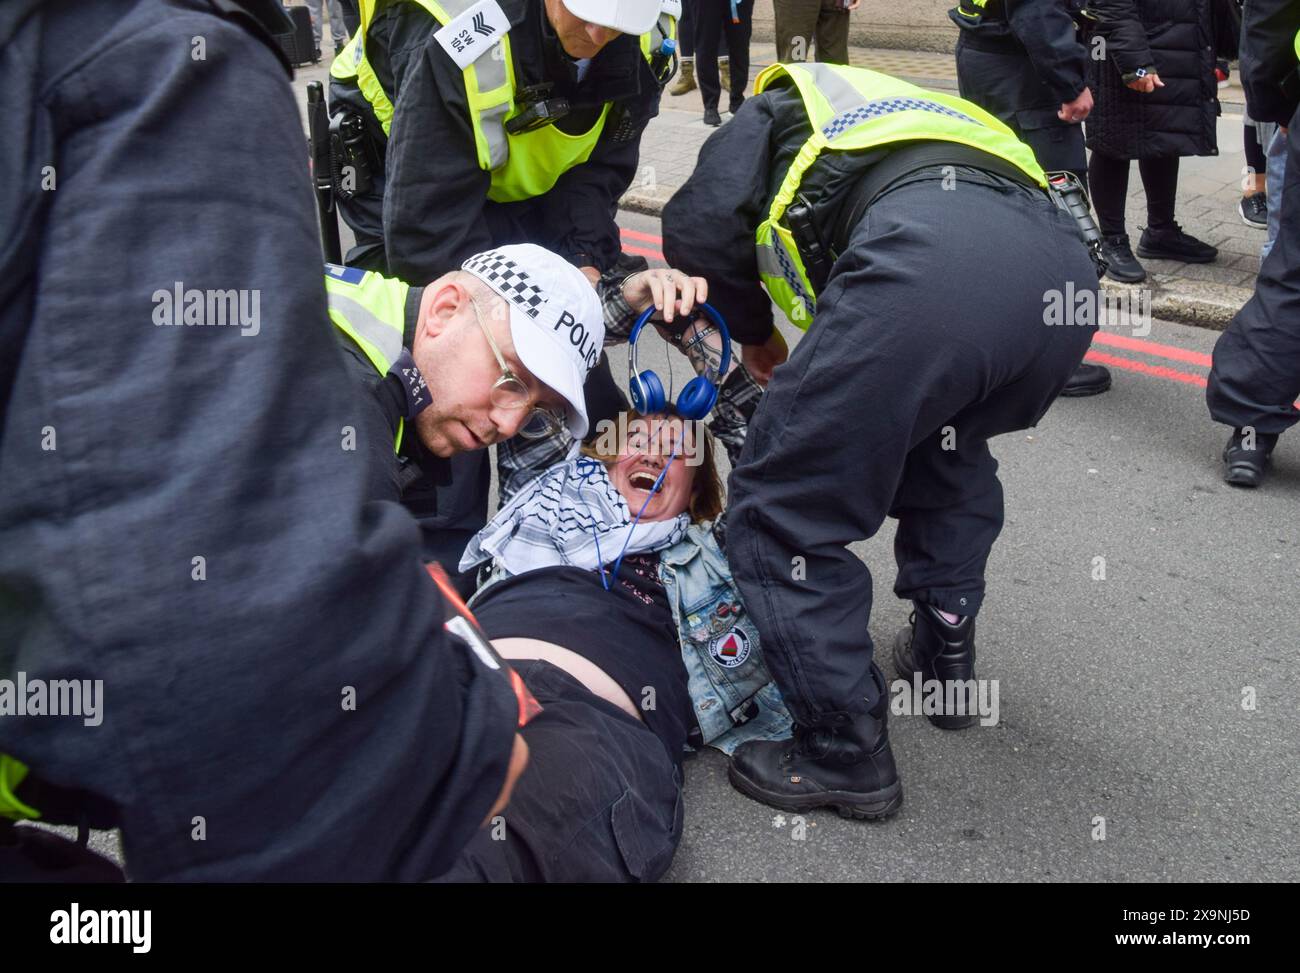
(563, 518)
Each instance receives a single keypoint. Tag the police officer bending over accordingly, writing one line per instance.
(911, 234)
(562, 92)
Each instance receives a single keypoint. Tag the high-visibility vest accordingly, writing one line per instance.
(853, 109)
(523, 165)
(972, 9)
(371, 310)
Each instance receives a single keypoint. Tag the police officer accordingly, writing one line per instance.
(181, 520)
(1255, 378)
(1022, 61)
(500, 347)
(910, 233)
(542, 152)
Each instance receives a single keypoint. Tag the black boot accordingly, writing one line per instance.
(711, 117)
(1088, 379)
(940, 650)
(845, 765)
(1171, 243)
(1121, 265)
(1245, 467)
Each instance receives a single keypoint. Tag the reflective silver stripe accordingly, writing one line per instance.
(841, 95)
(490, 73)
(370, 327)
(767, 263)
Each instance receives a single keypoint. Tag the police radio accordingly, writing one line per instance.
(537, 110)
(350, 155)
(1068, 193)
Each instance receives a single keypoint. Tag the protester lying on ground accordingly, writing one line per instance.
(610, 591)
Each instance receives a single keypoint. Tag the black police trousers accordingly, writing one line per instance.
(929, 339)
(1005, 84)
(1255, 377)
(600, 800)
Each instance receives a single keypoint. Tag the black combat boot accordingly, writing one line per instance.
(1246, 460)
(844, 764)
(937, 649)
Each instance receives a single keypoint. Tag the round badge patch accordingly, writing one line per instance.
(730, 650)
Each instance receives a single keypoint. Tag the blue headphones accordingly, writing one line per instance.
(700, 393)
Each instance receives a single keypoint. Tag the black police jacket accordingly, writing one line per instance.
(435, 208)
(1042, 30)
(179, 517)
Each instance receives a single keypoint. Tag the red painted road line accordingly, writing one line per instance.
(1159, 371)
(643, 237)
(628, 248)
(1172, 352)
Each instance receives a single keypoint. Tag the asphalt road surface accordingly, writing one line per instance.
(1119, 699)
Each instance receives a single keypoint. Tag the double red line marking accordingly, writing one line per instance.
(1118, 342)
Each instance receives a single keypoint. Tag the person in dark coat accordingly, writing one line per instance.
(1155, 101)
(1255, 378)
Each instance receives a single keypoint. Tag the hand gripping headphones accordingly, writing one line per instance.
(700, 393)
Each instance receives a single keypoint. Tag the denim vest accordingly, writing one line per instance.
(733, 694)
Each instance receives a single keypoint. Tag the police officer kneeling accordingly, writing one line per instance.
(910, 232)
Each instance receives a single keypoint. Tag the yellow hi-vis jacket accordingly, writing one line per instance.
(371, 310)
(523, 165)
(854, 109)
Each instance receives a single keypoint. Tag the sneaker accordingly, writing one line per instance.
(1088, 379)
(1171, 243)
(735, 103)
(1246, 466)
(1254, 210)
(1121, 265)
(711, 117)
(1221, 73)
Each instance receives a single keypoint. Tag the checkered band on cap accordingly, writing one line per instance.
(509, 280)
(887, 106)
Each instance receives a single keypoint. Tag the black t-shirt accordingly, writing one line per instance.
(627, 631)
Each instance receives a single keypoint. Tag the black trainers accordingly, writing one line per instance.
(1121, 265)
(1088, 379)
(941, 651)
(711, 117)
(846, 765)
(734, 104)
(1246, 466)
(1254, 210)
(1171, 243)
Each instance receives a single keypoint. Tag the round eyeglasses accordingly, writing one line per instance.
(509, 392)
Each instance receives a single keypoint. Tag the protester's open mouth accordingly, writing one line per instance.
(642, 480)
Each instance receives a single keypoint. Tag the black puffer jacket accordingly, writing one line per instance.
(1174, 38)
